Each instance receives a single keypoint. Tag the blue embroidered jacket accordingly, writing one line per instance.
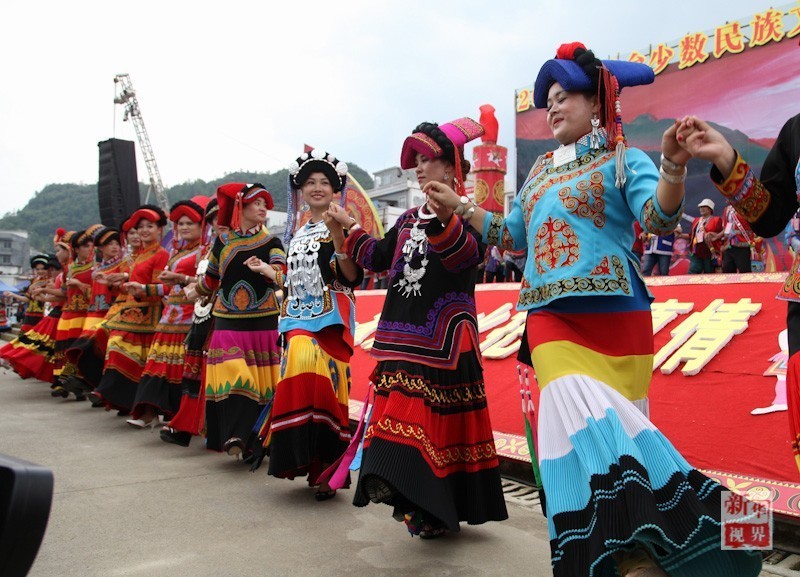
(578, 225)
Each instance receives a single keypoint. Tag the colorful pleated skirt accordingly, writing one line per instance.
(160, 385)
(309, 424)
(88, 352)
(612, 481)
(191, 415)
(430, 439)
(242, 370)
(31, 354)
(126, 355)
(70, 327)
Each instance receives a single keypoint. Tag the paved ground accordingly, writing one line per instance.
(127, 504)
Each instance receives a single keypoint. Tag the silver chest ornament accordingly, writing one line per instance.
(417, 242)
(304, 285)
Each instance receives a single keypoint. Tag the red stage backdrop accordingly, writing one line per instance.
(741, 76)
(706, 415)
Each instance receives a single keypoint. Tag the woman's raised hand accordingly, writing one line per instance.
(442, 194)
(671, 147)
(701, 140)
(338, 214)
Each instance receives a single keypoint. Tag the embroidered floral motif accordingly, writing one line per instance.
(602, 269)
(529, 296)
(495, 229)
(589, 201)
(556, 245)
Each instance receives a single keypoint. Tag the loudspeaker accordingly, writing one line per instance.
(118, 183)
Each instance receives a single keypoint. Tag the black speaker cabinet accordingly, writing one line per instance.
(118, 183)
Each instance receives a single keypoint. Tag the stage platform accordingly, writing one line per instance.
(725, 328)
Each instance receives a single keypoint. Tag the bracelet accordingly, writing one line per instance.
(672, 178)
(470, 211)
(341, 255)
(668, 164)
(352, 224)
(356, 226)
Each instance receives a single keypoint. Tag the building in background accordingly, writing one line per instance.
(14, 256)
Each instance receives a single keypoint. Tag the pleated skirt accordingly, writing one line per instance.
(242, 370)
(309, 426)
(430, 438)
(31, 354)
(612, 481)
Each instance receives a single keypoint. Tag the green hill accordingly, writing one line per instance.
(74, 206)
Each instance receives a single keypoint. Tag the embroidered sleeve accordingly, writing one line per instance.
(457, 248)
(770, 202)
(508, 232)
(370, 253)
(640, 194)
(277, 258)
(742, 190)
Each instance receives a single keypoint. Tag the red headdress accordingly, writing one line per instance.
(233, 196)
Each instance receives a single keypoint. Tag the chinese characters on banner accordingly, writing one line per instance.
(772, 25)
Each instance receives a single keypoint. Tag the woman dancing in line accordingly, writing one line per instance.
(133, 327)
(620, 499)
(308, 427)
(34, 311)
(87, 352)
(73, 313)
(191, 416)
(159, 391)
(767, 205)
(428, 450)
(31, 354)
(242, 365)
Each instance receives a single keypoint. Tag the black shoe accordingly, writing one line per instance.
(59, 391)
(234, 447)
(77, 387)
(97, 401)
(170, 435)
(378, 491)
(325, 495)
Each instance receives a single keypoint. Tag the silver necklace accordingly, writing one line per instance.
(417, 242)
(304, 278)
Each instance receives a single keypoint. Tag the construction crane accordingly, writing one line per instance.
(127, 98)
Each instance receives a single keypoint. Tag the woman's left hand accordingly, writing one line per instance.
(671, 148)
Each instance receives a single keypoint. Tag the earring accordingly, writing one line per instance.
(447, 176)
(305, 207)
(594, 140)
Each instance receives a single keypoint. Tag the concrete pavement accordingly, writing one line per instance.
(127, 505)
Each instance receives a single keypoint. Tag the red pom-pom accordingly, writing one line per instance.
(567, 51)
(60, 232)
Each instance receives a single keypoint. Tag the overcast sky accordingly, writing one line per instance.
(243, 85)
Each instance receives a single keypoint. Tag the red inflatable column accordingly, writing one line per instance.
(489, 165)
